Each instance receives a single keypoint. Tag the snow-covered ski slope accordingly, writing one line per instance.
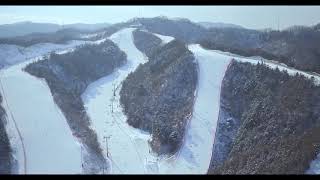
(106, 114)
(47, 139)
(127, 147)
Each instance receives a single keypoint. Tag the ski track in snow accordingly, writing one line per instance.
(98, 100)
(128, 148)
(49, 144)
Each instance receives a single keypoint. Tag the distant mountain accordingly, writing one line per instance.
(296, 46)
(219, 25)
(317, 27)
(88, 27)
(180, 28)
(28, 27)
(59, 37)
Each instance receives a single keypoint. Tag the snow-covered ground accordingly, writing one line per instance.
(165, 39)
(47, 139)
(90, 35)
(128, 147)
(12, 54)
(272, 64)
(99, 102)
(314, 166)
(49, 144)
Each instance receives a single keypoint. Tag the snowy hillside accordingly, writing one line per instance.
(128, 148)
(43, 142)
(165, 39)
(272, 64)
(99, 102)
(219, 25)
(46, 144)
(12, 54)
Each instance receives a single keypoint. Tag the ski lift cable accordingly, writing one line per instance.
(134, 145)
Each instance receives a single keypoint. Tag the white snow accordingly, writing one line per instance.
(90, 35)
(272, 64)
(314, 166)
(98, 100)
(49, 144)
(165, 39)
(128, 147)
(12, 54)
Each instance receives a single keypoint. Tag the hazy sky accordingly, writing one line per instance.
(256, 17)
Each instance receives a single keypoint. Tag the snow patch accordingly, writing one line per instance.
(314, 166)
(165, 39)
(87, 36)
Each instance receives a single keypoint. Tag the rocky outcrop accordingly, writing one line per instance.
(269, 122)
(159, 95)
(5, 149)
(67, 76)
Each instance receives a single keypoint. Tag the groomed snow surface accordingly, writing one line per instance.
(48, 142)
(99, 102)
(127, 148)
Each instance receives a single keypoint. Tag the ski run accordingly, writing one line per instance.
(43, 142)
(41, 139)
(127, 148)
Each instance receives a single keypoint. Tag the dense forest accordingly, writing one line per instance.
(146, 42)
(5, 149)
(270, 122)
(159, 95)
(296, 46)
